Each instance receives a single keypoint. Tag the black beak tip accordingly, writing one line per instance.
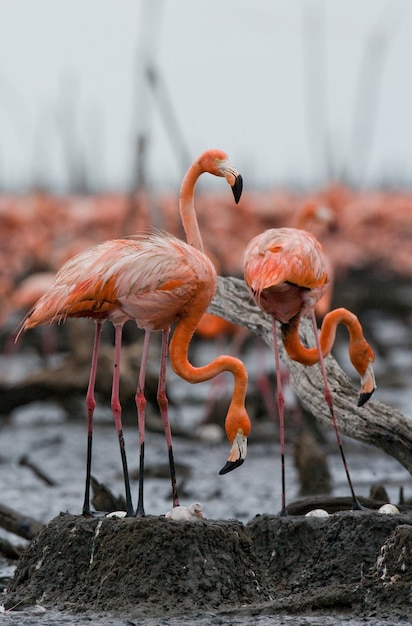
(237, 188)
(363, 398)
(230, 465)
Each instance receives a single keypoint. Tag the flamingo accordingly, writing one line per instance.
(154, 279)
(285, 271)
(191, 513)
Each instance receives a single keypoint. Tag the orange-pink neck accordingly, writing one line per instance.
(361, 354)
(187, 207)
(179, 359)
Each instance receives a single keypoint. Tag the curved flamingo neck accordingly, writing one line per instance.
(359, 350)
(187, 207)
(179, 359)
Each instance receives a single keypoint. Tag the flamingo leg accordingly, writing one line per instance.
(263, 382)
(117, 414)
(281, 404)
(328, 397)
(163, 405)
(141, 407)
(91, 405)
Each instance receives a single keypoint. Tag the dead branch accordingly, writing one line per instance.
(375, 423)
(25, 461)
(19, 523)
(104, 500)
(8, 550)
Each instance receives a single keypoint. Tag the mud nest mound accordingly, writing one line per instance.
(147, 565)
(358, 562)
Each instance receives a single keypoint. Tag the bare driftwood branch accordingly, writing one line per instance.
(104, 500)
(18, 523)
(375, 423)
(8, 550)
(24, 460)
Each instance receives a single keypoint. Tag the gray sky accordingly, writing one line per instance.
(275, 83)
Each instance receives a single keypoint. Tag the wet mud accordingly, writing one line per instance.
(356, 562)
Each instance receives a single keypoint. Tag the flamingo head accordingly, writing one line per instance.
(363, 357)
(217, 162)
(368, 384)
(237, 423)
(233, 177)
(196, 510)
(237, 452)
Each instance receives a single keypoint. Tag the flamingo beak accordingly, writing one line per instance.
(237, 454)
(237, 188)
(368, 385)
(233, 178)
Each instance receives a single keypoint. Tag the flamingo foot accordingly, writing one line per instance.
(140, 512)
(357, 506)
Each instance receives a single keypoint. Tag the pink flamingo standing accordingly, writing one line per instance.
(285, 272)
(156, 280)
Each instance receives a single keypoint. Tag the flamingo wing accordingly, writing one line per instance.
(152, 279)
(80, 288)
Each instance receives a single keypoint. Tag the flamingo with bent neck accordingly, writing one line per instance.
(155, 280)
(285, 271)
